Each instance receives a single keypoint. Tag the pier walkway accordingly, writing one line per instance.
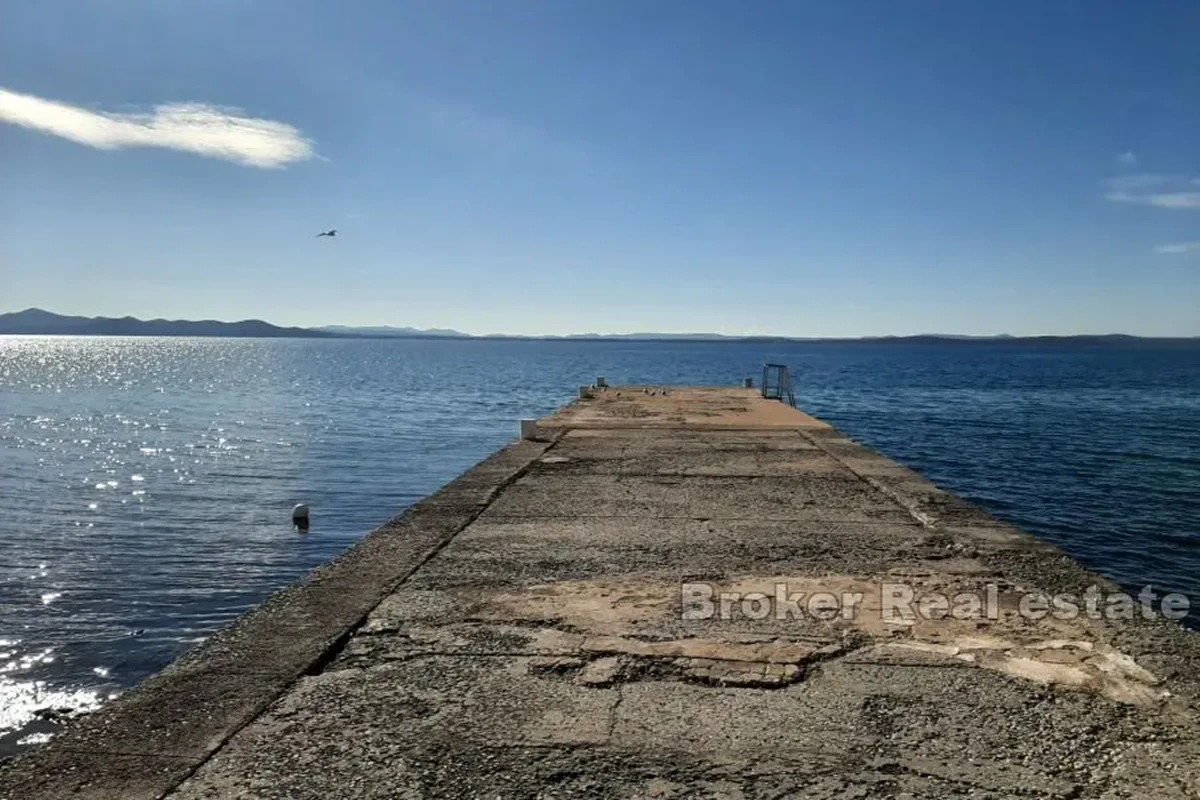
(666, 593)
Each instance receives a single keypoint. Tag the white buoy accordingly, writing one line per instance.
(300, 515)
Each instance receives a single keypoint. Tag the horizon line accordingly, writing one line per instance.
(400, 332)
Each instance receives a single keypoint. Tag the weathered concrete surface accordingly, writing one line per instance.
(519, 635)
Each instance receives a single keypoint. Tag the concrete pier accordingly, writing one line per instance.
(664, 593)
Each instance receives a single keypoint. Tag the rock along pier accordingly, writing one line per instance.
(667, 593)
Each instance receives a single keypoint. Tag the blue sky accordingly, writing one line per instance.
(803, 168)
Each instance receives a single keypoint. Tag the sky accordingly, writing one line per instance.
(805, 168)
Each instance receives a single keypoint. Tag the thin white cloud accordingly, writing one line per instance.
(205, 130)
(1162, 200)
(1178, 248)
(1160, 191)
(1128, 159)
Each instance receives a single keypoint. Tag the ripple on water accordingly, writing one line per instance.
(26, 705)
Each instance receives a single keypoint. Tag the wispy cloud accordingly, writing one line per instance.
(205, 130)
(1178, 248)
(1160, 191)
(1128, 159)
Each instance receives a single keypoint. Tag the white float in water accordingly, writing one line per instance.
(300, 515)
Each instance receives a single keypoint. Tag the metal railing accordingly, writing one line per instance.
(781, 387)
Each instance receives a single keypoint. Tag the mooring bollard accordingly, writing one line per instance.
(529, 429)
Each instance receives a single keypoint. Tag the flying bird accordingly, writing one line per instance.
(332, 232)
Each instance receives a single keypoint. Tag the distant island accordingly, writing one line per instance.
(37, 322)
(385, 331)
(33, 321)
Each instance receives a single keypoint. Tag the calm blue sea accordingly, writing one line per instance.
(145, 483)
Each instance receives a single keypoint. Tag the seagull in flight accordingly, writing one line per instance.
(332, 232)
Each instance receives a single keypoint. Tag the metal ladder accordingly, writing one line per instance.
(781, 388)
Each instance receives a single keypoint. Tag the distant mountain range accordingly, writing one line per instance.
(35, 321)
(387, 330)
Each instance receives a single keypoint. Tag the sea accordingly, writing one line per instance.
(146, 483)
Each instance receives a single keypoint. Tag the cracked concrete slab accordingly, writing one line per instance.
(360, 727)
(825, 497)
(676, 407)
(503, 550)
(715, 463)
